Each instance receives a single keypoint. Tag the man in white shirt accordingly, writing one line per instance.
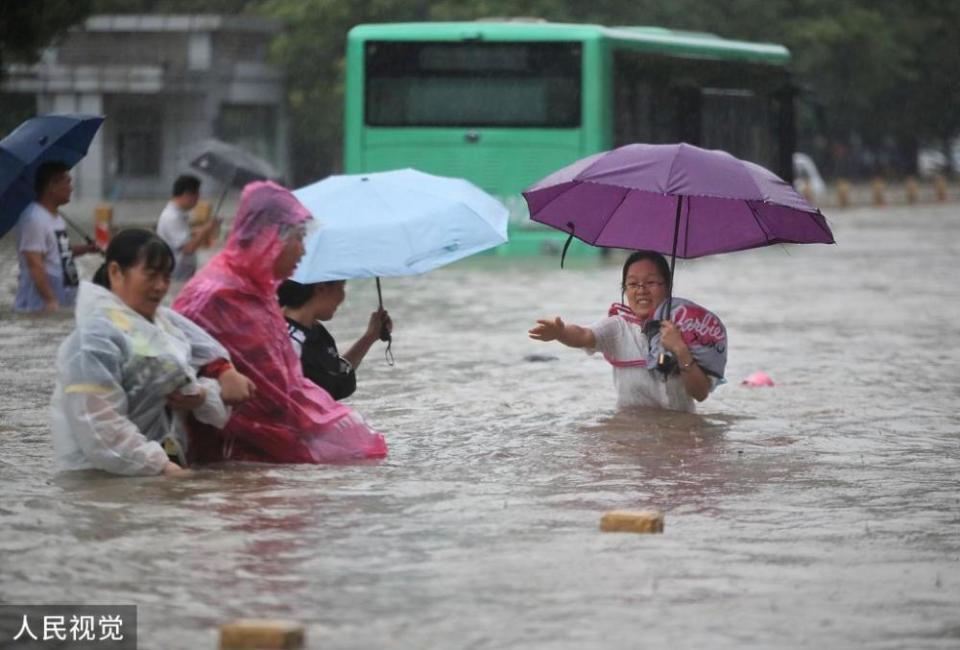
(174, 227)
(48, 276)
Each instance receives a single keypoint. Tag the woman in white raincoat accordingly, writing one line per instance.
(128, 374)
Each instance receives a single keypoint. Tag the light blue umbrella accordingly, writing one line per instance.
(394, 223)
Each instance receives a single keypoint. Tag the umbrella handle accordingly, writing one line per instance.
(223, 194)
(83, 234)
(666, 362)
(384, 332)
(563, 255)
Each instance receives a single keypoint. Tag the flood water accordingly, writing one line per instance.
(821, 513)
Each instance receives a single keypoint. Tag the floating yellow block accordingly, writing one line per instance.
(632, 521)
(260, 633)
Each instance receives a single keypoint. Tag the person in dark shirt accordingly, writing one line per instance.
(304, 307)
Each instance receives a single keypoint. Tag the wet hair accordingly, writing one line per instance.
(658, 260)
(186, 184)
(46, 173)
(293, 294)
(130, 247)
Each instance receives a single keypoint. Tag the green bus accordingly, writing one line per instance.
(504, 103)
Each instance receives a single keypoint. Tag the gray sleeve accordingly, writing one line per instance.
(33, 236)
(172, 231)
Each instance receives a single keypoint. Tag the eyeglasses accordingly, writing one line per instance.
(649, 285)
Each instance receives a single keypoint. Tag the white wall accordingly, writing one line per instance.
(88, 175)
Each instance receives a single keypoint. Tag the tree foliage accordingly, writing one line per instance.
(28, 27)
(883, 71)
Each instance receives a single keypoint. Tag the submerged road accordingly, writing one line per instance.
(821, 513)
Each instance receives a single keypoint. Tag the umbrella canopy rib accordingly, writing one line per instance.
(758, 221)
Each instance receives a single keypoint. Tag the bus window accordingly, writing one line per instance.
(713, 104)
(741, 122)
(450, 84)
(640, 113)
(651, 103)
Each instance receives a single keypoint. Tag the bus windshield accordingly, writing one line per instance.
(453, 84)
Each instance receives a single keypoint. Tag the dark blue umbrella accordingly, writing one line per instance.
(61, 138)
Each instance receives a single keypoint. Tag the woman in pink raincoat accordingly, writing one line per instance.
(290, 419)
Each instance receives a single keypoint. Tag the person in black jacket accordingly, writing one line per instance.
(304, 307)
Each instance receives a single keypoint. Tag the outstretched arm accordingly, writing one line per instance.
(573, 336)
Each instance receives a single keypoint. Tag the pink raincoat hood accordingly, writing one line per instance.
(266, 212)
(234, 299)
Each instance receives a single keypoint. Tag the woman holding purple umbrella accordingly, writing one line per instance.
(634, 335)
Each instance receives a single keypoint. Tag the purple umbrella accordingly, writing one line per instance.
(675, 199)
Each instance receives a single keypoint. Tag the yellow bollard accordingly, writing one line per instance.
(912, 189)
(940, 187)
(632, 521)
(102, 224)
(878, 187)
(843, 193)
(262, 634)
(807, 191)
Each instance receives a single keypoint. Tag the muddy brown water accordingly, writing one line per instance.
(821, 513)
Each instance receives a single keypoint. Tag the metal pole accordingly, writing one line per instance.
(665, 360)
(223, 194)
(384, 332)
(216, 210)
(673, 255)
